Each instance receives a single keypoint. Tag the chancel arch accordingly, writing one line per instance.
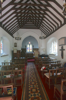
(30, 45)
(30, 33)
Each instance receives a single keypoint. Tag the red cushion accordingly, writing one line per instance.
(44, 68)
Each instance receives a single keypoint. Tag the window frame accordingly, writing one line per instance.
(29, 48)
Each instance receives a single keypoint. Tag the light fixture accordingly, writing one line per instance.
(64, 8)
(17, 37)
(42, 37)
(1, 1)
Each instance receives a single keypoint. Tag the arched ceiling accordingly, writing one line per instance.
(45, 15)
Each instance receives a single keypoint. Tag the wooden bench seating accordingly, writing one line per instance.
(18, 75)
(48, 66)
(6, 63)
(6, 67)
(60, 90)
(36, 60)
(13, 66)
(10, 76)
(53, 75)
(19, 61)
(5, 94)
(7, 77)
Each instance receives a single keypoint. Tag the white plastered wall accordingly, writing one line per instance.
(23, 33)
(9, 42)
(58, 34)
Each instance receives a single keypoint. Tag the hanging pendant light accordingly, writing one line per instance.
(64, 7)
(42, 37)
(17, 37)
(1, 1)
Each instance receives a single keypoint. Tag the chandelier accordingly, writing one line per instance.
(64, 7)
(17, 37)
(42, 37)
(1, 1)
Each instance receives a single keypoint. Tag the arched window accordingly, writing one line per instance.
(1, 46)
(29, 48)
(52, 46)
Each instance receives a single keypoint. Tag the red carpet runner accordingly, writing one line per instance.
(33, 88)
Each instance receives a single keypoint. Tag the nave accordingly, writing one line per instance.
(33, 88)
(39, 79)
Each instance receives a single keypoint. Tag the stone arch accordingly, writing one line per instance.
(30, 34)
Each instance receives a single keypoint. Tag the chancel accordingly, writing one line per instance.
(32, 49)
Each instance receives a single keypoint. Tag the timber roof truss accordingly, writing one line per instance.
(45, 15)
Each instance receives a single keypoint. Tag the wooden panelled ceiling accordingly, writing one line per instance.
(45, 15)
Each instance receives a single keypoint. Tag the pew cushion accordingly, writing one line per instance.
(43, 68)
(19, 75)
(47, 74)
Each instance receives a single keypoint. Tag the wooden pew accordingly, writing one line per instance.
(60, 90)
(18, 75)
(0, 77)
(7, 76)
(5, 95)
(53, 75)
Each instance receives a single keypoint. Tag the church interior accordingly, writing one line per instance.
(32, 49)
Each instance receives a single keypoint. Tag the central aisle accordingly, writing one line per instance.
(33, 88)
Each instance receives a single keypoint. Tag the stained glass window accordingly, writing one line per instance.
(1, 47)
(29, 48)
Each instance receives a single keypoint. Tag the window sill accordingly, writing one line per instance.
(4, 55)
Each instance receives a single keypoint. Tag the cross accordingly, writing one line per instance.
(62, 51)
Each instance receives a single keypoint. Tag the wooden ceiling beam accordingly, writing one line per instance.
(35, 20)
(12, 27)
(50, 22)
(10, 20)
(46, 26)
(13, 8)
(29, 4)
(8, 24)
(44, 31)
(55, 30)
(3, 8)
(28, 28)
(49, 16)
(54, 9)
(11, 15)
(52, 14)
(34, 23)
(45, 14)
(31, 21)
(38, 12)
(33, 16)
(55, 3)
(20, 11)
(47, 33)
(7, 31)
